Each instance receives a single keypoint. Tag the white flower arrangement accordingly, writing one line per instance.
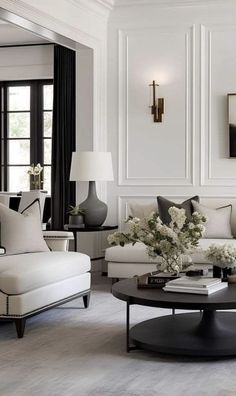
(35, 171)
(222, 255)
(169, 242)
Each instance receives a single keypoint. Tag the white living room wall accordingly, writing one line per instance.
(26, 63)
(188, 48)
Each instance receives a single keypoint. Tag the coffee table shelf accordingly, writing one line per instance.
(206, 333)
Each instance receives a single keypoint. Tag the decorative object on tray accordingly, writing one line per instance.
(197, 285)
(223, 258)
(170, 242)
(76, 216)
(35, 173)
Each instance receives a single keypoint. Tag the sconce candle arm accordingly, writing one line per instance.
(157, 109)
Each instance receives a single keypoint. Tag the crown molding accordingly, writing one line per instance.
(107, 3)
(100, 8)
(172, 3)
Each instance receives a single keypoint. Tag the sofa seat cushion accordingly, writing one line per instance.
(24, 272)
(130, 253)
(137, 253)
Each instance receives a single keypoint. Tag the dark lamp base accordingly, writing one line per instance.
(95, 211)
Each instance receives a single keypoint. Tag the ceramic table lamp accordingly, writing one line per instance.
(92, 166)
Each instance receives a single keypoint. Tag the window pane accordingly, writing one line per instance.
(47, 97)
(19, 125)
(47, 123)
(2, 152)
(47, 179)
(19, 98)
(19, 152)
(1, 93)
(18, 178)
(47, 151)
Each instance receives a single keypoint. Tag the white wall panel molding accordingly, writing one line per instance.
(125, 151)
(208, 111)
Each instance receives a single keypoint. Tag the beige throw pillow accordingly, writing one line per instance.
(22, 232)
(218, 221)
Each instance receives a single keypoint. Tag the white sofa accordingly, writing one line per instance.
(34, 282)
(130, 260)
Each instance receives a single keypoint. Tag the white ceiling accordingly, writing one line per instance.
(11, 34)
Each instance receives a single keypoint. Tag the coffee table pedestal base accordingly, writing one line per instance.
(209, 333)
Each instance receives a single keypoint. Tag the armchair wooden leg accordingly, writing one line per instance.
(86, 299)
(20, 327)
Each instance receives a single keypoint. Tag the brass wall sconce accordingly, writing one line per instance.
(157, 106)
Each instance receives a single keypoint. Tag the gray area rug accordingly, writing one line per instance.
(73, 351)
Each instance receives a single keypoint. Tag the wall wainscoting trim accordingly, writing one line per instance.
(206, 133)
(188, 178)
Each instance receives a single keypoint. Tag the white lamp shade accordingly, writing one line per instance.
(91, 165)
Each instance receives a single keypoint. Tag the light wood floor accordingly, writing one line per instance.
(71, 351)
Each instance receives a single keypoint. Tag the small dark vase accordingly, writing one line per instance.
(221, 272)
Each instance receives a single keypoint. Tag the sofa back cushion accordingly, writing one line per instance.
(139, 210)
(150, 202)
(22, 232)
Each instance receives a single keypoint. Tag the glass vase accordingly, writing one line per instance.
(172, 264)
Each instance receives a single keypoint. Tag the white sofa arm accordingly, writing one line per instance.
(58, 240)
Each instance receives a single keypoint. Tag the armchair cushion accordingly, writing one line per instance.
(25, 272)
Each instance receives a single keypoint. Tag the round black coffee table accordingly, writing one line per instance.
(206, 333)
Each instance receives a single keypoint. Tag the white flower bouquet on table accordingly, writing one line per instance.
(170, 242)
(222, 255)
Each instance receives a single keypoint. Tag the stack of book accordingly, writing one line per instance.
(198, 285)
(155, 279)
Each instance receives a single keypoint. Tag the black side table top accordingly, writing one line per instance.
(90, 229)
(127, 290)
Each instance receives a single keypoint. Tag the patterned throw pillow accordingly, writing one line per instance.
(22, 232)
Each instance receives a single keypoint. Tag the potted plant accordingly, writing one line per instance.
(76, 216)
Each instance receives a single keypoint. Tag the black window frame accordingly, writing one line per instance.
(36, 125)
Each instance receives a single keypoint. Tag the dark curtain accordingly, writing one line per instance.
(63, 136)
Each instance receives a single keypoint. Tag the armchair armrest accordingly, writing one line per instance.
(58, 240)
(2, 250)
